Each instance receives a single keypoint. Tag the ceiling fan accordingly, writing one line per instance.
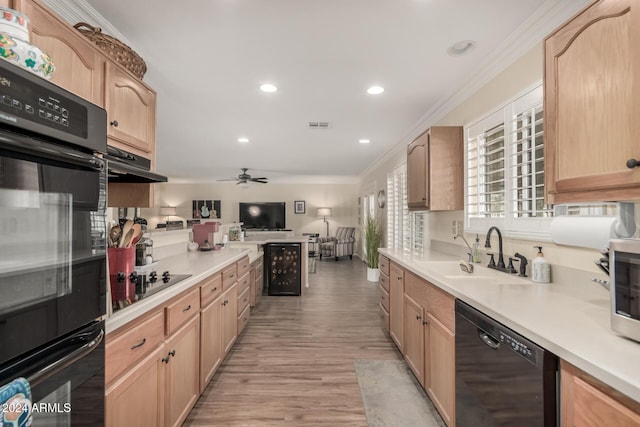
(244, 178)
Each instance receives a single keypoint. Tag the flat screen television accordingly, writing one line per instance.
(263, 215)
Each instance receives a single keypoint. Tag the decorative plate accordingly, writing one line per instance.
(26, 56)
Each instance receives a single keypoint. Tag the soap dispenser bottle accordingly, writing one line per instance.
(476, 256)
(541, 268)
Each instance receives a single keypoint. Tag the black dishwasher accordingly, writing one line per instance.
(502, 378)
(283, 268)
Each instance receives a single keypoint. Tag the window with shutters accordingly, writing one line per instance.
(504, 154)
(505, 169)
(405, 230)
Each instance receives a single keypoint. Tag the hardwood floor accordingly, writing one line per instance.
(293, 365)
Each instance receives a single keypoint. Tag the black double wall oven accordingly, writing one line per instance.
(52, 253)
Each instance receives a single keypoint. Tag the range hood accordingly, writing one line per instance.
(127, 167)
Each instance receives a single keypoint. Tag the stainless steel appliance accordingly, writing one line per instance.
(502, 378)
(52, 246)
(624, 275)
(283, 268)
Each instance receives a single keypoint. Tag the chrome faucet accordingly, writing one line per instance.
(470, 253)
(487, 244)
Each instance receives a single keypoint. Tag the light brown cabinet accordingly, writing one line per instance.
(255, 292)
(211, 350)
(131, 112)
(183, 373)
(586, 402)
(592, 105)
(429, 342)
(162, 388)
(396, 304)
(383, 266)
(137, 398)
(414, 337)
(229, 317)
(131, 126)
(79, 65)
(439, 367)
(435, 170)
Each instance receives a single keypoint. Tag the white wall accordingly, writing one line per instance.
(341, 198)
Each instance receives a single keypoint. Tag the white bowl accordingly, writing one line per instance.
(14, 23)
(26, 55)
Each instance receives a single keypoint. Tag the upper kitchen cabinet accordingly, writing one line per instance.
(131, 113)
(435, 170)
(79, 66)
(592, 105)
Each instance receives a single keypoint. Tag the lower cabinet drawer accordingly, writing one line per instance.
(384, 298)
(243, 281)
(243, 318)
(243, 300)
(126, 349)
(243, 266)
(181, 310)
(229, 276)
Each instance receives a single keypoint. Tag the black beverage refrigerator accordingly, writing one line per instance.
(283, 268)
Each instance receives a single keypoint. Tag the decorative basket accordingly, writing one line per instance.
(113, 47)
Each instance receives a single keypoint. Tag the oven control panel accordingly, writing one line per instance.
(31, 103)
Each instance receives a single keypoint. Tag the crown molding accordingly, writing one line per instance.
(74, 11)
(546, 19)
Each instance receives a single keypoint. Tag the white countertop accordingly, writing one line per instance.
(569, 317)
(199, 264)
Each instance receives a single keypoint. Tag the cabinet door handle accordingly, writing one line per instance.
(114, 123)
(140, 344)
(632, 163)
(418, 317)
(187, 308)
(214, 289)
(165, 359)
(424, 322)
(172, 353)
(424, 198)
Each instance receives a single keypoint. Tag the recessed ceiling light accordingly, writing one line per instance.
(375, 90)
(243, 139)
(268, 87)
(364, 141)
(461, 48)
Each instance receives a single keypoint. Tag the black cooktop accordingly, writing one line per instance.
(145, 285)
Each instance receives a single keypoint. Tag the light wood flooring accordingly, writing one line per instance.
(293, 365)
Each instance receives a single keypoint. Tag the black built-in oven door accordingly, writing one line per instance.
(66, 379)
(52, 242)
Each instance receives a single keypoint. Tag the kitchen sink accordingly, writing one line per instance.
(451, 270)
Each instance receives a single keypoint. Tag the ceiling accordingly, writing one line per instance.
(206, 61)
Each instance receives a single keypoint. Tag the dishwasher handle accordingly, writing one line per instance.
(488, 340)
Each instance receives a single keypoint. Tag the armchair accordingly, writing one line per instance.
(340, 245)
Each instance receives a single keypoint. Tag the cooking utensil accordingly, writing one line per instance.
(125, 231)
(114, 236)
(137, 234)
(126, 239)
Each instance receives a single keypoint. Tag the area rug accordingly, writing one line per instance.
(392, 396)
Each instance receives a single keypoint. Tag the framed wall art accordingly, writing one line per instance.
(205, 209)
(299, 207)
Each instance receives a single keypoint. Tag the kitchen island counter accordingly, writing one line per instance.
(569, 317)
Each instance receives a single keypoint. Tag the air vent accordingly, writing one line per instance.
(318, 125)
